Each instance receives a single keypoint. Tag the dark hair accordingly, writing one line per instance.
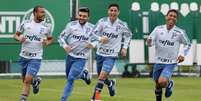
(84, 9)
(36, 8)
(113, 5)
(172, 10)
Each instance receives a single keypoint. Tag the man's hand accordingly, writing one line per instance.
(149, 42)
(22, 39)
(180, 59)
(67, 49)
(89, 45)
(45, 42)
(104, 39)
(123, 53)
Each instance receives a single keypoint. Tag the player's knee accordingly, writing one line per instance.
(102, 76)
(162, 83)
(27, 81)
(70, 78)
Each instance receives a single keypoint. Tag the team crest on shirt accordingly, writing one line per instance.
(161, 33)
(87, 30)
(42, 30)
(118, 28)
(174, 35)
(48, 17)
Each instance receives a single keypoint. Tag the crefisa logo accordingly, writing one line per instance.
(48, 17)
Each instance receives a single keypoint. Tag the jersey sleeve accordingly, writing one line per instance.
(187, 44)
(49, 31)
(153, 36)
(64, 35)
(96, 32)
(21, 27)
(127, 34)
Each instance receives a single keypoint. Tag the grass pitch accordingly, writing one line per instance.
(130, 89)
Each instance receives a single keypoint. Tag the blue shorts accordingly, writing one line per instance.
(74, 67)
(164, 70)
(29, 66)
(104, 63)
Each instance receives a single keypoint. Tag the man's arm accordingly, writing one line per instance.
(63, 36)
(127, 34)
(187, 45)
(48, 41)
(97, 33)
(19, 37)
(49, 37)
(151, 38)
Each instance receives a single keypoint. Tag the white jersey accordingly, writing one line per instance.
(116, 32)
(77, 37)
(34, 33)
(167, 44)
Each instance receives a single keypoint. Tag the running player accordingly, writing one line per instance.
(33, 35)
(167, 39)
(111, 31)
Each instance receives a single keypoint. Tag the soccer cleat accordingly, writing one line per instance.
(87, 77)
(35, 85)
(168, 91)
(23, 99)
(112, 88)
(97, 96)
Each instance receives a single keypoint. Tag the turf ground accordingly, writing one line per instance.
(132, 89)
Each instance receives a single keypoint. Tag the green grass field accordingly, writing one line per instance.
(132, 89)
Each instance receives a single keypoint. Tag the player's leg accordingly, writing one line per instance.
(75, 71)
(165, 79)
(99, 65)
(33, 66)
(23, 63)
(68, 64)
(157, 69)
(99, 86)
(108, 65)
(106, 69)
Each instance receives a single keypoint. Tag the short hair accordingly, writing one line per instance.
(172, 10)
(114, 5)
(36, 8)
(84, 9)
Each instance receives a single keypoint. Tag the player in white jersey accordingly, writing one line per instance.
(167, 39)
(115, 31)
(33, 35)
(76, 41)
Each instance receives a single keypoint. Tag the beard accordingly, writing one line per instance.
(82, 22)
(40, 18)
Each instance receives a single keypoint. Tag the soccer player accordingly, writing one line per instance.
(76, 41)
(111, 31)
(167, 39)
(33, 35)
